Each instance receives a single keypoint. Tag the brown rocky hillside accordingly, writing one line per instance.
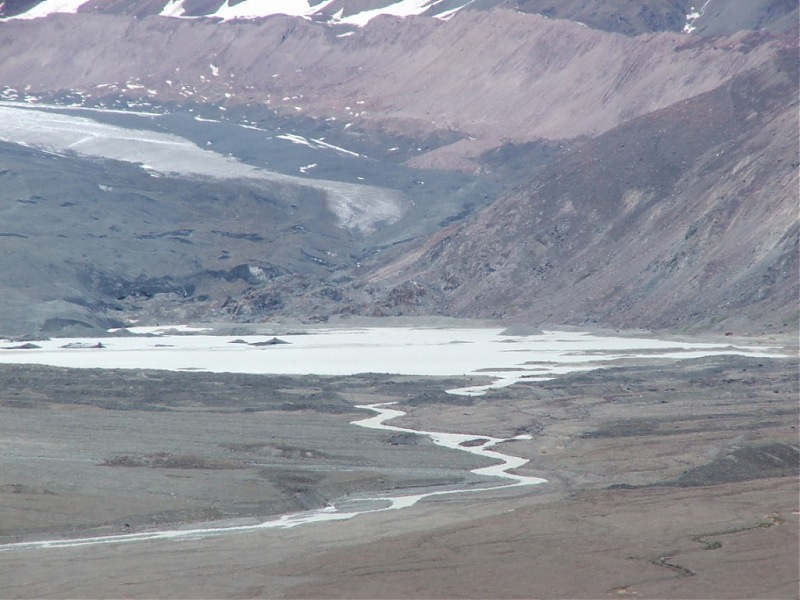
(545, 170)
(489, 77)
(687, 217)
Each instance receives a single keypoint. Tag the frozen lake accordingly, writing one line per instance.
(395, 350)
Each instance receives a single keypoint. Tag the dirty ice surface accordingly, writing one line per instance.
(356, 206)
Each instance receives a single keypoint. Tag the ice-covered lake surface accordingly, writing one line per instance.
(421, 351)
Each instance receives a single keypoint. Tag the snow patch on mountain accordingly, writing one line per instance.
(250, 9)
(257, 9)
(314, 143)
(404, 8)
(49, 7)
(173, 8)
(693, 16)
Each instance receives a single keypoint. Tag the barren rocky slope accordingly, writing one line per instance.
(654, 176)
(685, 217)
(492, 76)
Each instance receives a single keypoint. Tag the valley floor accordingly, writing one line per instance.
(670, 481)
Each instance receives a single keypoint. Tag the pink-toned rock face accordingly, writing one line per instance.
(653, 175)
(496, 76)
(667, 216)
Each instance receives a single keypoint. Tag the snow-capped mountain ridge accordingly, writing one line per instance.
(332, 11)
(712, 17)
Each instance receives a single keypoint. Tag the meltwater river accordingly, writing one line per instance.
(406, 350)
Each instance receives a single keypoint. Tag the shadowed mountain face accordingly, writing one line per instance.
(514, 164)
(90, 238)
(716, 17)
(630, 18)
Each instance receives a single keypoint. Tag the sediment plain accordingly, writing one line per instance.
(664, 479)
